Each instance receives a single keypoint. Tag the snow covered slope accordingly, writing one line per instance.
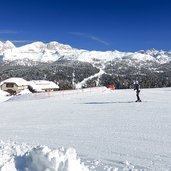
(109, 131)
(39, 51)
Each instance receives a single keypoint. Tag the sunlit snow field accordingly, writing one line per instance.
(108, 130)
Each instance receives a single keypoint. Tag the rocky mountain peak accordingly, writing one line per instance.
(6, 45)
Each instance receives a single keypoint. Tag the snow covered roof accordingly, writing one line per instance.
(16, 80)
(42, 84)
(37, 85)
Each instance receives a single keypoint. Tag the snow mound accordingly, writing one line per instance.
(14, 157)
(26, 91)
(3, 93)
(4, 96)
(23, 157)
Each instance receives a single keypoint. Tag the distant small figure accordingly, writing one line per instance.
(137, 88)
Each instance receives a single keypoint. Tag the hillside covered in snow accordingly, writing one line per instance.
(67, 65)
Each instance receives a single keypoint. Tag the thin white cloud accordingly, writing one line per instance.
(90, 37)
(21, 41)
(99, 40)
(8, 32)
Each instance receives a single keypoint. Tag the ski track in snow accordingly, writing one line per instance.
(83, 82)
(108, 129)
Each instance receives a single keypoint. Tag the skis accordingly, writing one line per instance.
(138, 101)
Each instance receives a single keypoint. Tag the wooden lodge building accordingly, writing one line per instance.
(15, 85)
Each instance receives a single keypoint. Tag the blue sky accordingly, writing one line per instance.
(125, 25)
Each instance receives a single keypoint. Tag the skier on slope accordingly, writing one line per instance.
(137, 88)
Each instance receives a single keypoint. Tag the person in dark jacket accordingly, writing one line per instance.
(137, 88)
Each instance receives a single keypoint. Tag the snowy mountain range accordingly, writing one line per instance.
(70, 66)
(53, 51)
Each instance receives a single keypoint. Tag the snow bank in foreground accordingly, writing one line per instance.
(23, 157)
(14, 157)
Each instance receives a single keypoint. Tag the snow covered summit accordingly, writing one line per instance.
(53, 51)
(6, 45)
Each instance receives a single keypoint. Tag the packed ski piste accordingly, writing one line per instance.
(92, 129)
